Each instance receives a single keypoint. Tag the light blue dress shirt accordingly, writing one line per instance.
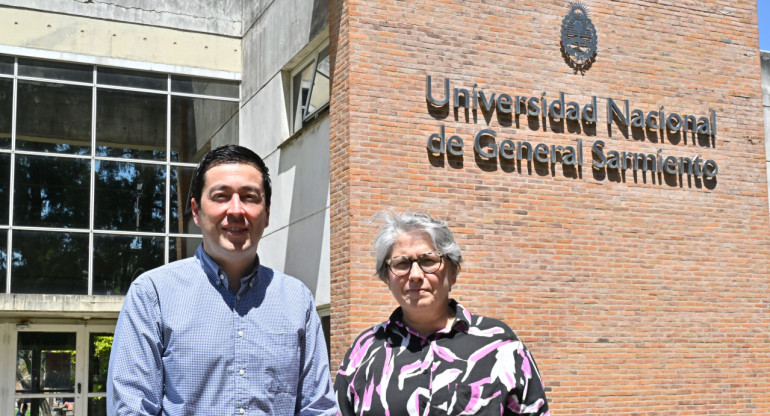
(185, 345)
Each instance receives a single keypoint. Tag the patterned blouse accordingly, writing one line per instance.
(476, 367)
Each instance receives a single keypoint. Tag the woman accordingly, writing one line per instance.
(433, 356)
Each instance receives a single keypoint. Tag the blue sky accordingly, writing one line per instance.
(763, 11)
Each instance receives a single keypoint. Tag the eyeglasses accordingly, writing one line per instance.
(402, 265)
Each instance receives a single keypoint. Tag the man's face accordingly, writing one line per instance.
(231, 213)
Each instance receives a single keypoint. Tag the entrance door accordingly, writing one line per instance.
(61, 370)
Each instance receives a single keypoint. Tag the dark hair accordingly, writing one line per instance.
(223, 155)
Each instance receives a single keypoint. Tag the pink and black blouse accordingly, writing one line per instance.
(476, 367)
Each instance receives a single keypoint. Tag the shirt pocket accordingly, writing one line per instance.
(276, 356)
(454, 398)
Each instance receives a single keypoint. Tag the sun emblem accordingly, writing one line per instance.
(578, 37)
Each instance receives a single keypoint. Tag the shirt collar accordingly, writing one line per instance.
(217, 276)
(461, 323)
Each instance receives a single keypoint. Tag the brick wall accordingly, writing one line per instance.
(339, 213)
(638, 294)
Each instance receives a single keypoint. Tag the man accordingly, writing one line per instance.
(219, 333)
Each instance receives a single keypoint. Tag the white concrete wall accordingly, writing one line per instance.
(154, 48)
(22, 306)
(7, 365)
(297, 240)
(264, 118)
(221, 17)
(281, 31)
(279, 35)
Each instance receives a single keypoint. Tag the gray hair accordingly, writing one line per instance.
(394, 225)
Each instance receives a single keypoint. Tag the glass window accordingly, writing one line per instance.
(97, 197)
(205, 86)
(100, 345)
(130, 196)
(130, 124)
(182, 247)
(49, 262)
(310, 89)
(5, 184)
(301, 91)
(55, 70)
(6, 65)
(119, 259)
(199, 124)
(97, 406)
(45, 366)
(6, 112)
(46, 361)
(3, 258)
(180, 210)
(134, 79)
(51, 191)
(319, 94)
(53, 118)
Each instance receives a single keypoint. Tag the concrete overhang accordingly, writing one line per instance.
(28, 306)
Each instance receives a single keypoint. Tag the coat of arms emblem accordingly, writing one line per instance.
(578, 38)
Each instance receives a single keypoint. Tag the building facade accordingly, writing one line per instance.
(106, 109)
(630, 251)
(602, 164)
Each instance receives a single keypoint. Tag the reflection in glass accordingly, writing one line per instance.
(6, 65)
(97, 406)
(53, 118)
(6, 112)
(310, 89)
(49, 262)
(118, 260)
(182, 247)
(53, 406)
(130, 196)
(45, 362)
(319, 95)
(199, 124)
(55, 70)
(180, 211)
(5, 185)
(3, 258)
(51, 191)
(205, 86)
(300, 94)
(130, 124)
(99, 347)
(133, 79)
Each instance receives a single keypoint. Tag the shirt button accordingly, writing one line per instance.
(425, 371)
(241, 411)
(238, 297)
(241, 372)
(240, 333)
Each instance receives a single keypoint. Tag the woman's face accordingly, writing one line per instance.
(422, 296)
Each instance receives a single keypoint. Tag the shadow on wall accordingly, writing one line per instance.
(308, 157)
(320, 17)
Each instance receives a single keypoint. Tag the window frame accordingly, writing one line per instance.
(169, 164)
(298, 123)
